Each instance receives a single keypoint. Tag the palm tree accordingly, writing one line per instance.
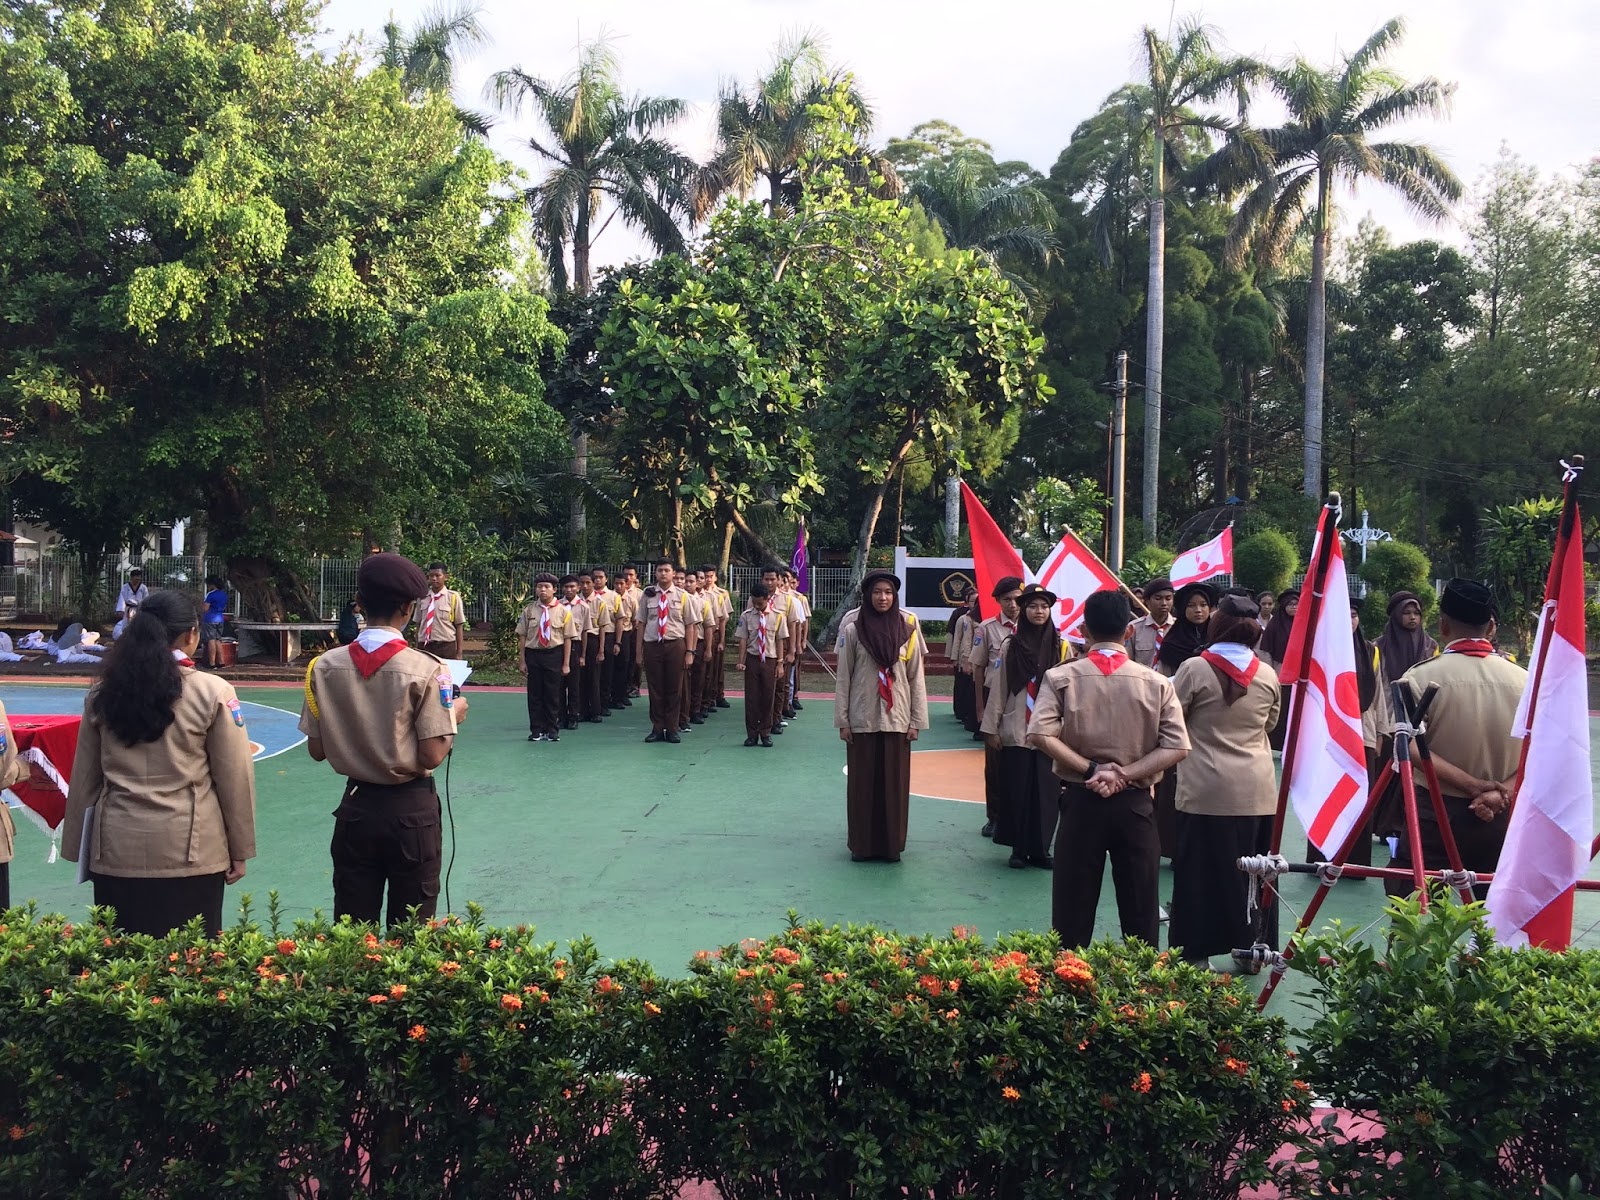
(1327, 139)
(1005, 220)
(1178, 76)
(424, 56)
(601, 146)
(762, 134)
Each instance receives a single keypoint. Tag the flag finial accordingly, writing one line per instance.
(1571, 467)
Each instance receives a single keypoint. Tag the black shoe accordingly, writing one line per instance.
(723, 704)
(788, 714)
(777, 729)
(552, 736)
(1017, 863)
(593, 720)
(988, 829)
(859, 858)
(536, 737)
(767, 742)
(977, 737)
(674, 738)
(633, 692)
(569, 724)
(798, 706)
(1042, 860)
(697, 719)
(655, 735)
(750, 741)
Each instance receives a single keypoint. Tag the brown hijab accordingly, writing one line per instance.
(881, 634)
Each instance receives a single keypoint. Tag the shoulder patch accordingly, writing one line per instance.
(446, 689)
(977, 639)
(232, 704)
(4, 744)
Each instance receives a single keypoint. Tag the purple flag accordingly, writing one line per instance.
(798, 560)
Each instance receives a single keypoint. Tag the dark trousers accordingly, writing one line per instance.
(760, 676)
(780, 692)
(663, 672)
(1123, 826)
(590, 698)
(5, 886)
(158, 906)
(1478, 842)
(621, 670)
(572, 685)
(544, 688)
(718, 671)
(387, 836)
(440, 649)
(994, 783)
(697, 685)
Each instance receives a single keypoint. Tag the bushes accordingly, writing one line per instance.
(1266, 562)
(1479, 1063)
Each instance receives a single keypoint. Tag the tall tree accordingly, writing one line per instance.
(1179, 75)
(600, 146)
(1328, 138)
(425, 56)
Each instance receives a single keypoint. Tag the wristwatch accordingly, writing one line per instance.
(1090, 771)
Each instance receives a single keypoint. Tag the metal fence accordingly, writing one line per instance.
(47, 590)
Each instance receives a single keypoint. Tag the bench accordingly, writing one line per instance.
(283, 637)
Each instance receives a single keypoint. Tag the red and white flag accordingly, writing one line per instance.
(1547, 844)
(1074, 573)
(1204, 562)
(1328, 780)
(993, 555)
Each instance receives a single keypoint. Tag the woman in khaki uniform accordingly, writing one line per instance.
(164, 759)
(12, 770)
(1031, 793)
(879, 705)
(1227, 790)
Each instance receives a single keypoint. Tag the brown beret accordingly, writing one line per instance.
(386, 581)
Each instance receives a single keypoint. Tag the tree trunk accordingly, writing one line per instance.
(269, 591)
(675, 527)
(1242, 472)
(88, 593)
(1155, 302)
(1317, 339)
(577, 518)
(727, 550)
(757, 544)
(952, 512)
(199, 545)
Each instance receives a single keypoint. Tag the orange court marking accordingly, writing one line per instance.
(948, 774)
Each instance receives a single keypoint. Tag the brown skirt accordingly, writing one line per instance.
(878, 793)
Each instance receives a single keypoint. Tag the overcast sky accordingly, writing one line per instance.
(1022, 73)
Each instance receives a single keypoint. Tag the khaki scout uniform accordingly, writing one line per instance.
(1469, 726)
(760, 665)
(1147, 638)
(878, 755)
(630, 606)
(610, 600)
(572, 687)
(716, 668)
(1029, 801)
(782, 603)
(387, 827)
(546, 650)
(448, 614)
(984, 658)
(1120, 718)
(170, 815)
(596, 650)
(662, 652)
(695, 610)
(800, 623)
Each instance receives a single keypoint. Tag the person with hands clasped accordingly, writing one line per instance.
(763, 636)
(1111, 727)
(880, 704)
(546, 633)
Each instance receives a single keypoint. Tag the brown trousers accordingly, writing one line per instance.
(663, 673)
(760, 676)
(878, 794)
(1092, 827)
(719, 669)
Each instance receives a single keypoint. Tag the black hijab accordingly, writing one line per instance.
(1275, 639)
(1399, 648)
(1186, 639)
(1032, 650)
(881, 633)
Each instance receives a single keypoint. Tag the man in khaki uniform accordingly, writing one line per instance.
(761, 635)
(667, 638)
(716, 669)
(800, 633)
(1469, 735)
(594, 650)
(772, 577)
(611, 600)
(631, 591)
(384, 716)
(1111, 728)
(545, 633)
(987, 652)
(1150, 631)
(441, 617)
(572, 692)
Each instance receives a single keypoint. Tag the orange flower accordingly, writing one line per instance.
(157, 1000)
(222, 997)
(932, 984)
(1011, 1094)
(963, 932)
(18, 1133)
(952, 1014)
(371, 941)
(286, 946)
(1142, 1084)
(1300, 1085)
(842, 1005)
(1288, 1105)
(397, 992)
(510, 1003)
(449, 966)
(104, 942)
(652, 1008)
(495, 943)
(605, 985)
(418, 1033)
(786, 956)
(796, 987)
(1237, 1067)
(377, 999)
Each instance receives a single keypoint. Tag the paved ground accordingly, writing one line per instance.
(658, 851)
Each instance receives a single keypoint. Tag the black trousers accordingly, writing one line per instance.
(1092, 827)
(387, 836)
(760, 676)
(663, 672)
(5, 886)
(591, 678)
(544, 688)
(621, 670)
(719, 670)
(994, 783)
(572, 684)
(158, 906)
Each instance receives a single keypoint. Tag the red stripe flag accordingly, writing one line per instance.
(1547, 845)
(1074, 573)
(1204, 562)
(993, 555)
(1328, 776)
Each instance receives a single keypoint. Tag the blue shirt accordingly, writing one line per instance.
(216, 606)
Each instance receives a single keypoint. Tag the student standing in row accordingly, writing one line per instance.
(610, 602)
(988, 647)
(572, 693)
(880, 704)
(545, 633)
(716, 670)
(594, 650)
(1030, 794)
(631, 592)
(441, 617)
(384, 716)
(1112, 727)
(1150, 630)
(762, 638)
(667, 650)
(799, 617)
(963, 624)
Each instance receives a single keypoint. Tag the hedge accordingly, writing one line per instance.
(452, 1059)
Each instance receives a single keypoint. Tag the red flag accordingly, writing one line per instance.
(1328, 778)
(1074, 573)
(1204, 562)
(1547, 844)
(993, 555)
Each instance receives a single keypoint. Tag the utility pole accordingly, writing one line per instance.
(1119, 454)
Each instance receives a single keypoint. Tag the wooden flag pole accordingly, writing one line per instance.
(1126, 590)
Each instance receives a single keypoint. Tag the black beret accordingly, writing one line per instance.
(1154, 587)
(1467, 601)
(1236, 604)
(872, 577)
(385, 580)
(1007, 583)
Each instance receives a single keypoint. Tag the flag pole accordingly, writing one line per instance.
(1117, 575)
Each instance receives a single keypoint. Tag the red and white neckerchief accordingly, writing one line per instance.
(1471, 647)
(1161, 630)
(373, 647)
(1235, 660)
(429, 620)
(1033, 695)
(761, 636)
(661, 615)
(182, 659)
(544, 624)
(886, 688)
(1107, 659)
(1010, 626)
